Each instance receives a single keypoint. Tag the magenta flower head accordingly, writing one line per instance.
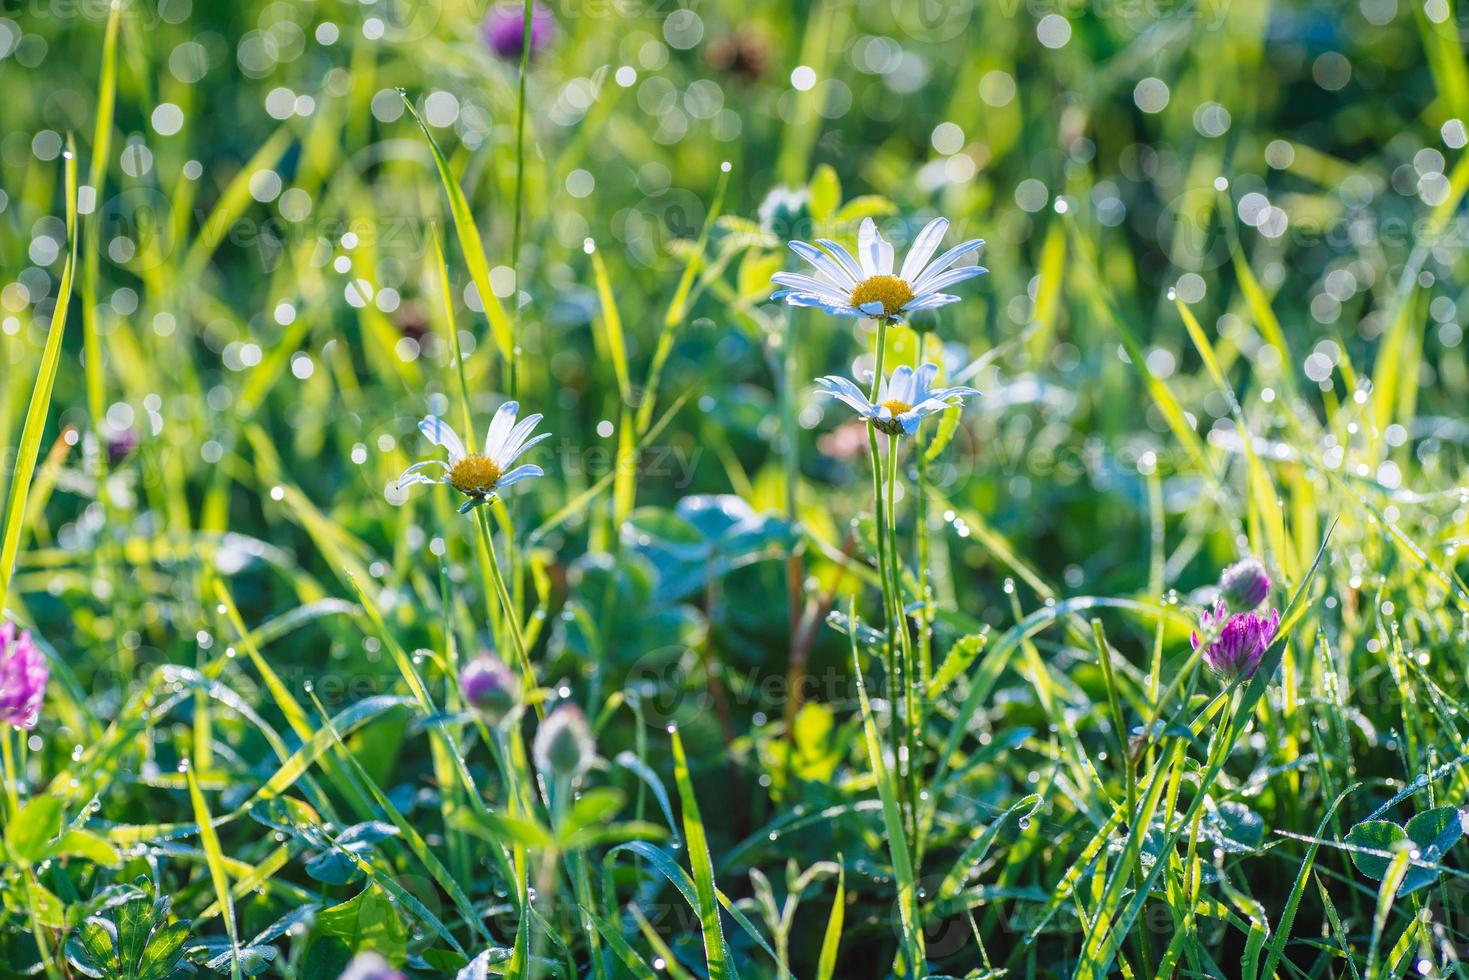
(488, 687)
(23, 676)
(1244, 585)
(369, 966)
(504, 29)
(1235, 644)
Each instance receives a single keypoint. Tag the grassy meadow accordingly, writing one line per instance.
(1148, 659)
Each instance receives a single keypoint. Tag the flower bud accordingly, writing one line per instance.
(488, 687)
(23, 676)
(1244, 585)
(564, 746)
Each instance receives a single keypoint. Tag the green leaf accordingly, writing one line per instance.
(84, 843)
(595, 806)
(367, 921)
(1379, 835)
(29, 835)
(866, 206)
(1431, 833)
(826, 193)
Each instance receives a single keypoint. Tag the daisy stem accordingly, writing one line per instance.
(924, 555)
(890, 664)
(527, 672)
(908, 762)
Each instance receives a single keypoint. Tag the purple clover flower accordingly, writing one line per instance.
(23, 676)
(504, 29)
(1244, 585)
(1235, 643)
(488, 687)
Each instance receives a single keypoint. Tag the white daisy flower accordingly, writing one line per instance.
(904, 398)
(482, 475)
(867, 286)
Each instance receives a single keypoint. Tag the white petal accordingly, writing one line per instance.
(410, 479)
(806, 284)
(922, 381)
(884, 256)
(499, 428)
(902, 386)
(868, 251)
(520, 450)
(518, 474)
(826, 265)
(437, 431)
(848, 392)
(929, 301)
(510, 447)
(843, 258)
(923, 248)
(958, 391)
(944, 261)
(934, 284)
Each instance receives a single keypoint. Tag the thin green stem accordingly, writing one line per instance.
(908, 759)
(507, 605)
(1129, 773)
(890, 665)
(12, 783)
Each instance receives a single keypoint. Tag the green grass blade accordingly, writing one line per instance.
(40, 405)
(716, 954)
(470, 243)
(214, 857)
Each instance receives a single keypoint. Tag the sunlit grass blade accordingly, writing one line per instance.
(832, 939)
(213, 854)
(892, 817)
(611, 324)
(470, 243)
(29, 447)
(715, 952)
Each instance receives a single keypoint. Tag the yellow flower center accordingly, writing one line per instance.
(896, 407)
(475, 475)
(893, 293)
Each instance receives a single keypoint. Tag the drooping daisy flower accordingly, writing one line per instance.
(867, 285)
(1241, 640)
(904, 398)
(23, 676)
(482, 475)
